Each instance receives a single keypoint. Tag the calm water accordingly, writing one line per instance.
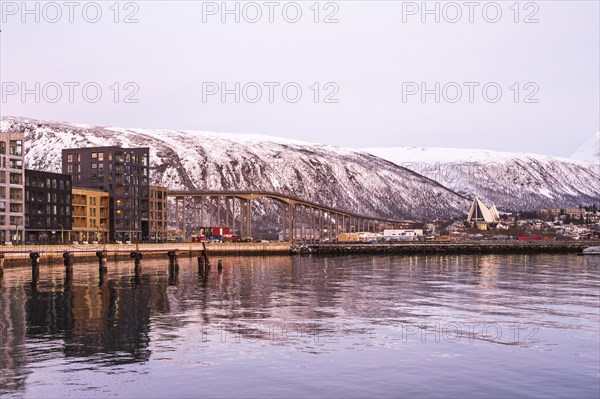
(360, 326)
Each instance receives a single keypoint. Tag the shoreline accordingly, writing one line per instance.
(19, 255)
(456, 248)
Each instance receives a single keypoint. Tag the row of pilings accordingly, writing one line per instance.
(136, 256)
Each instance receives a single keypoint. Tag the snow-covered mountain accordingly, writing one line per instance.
(511, 181)
(589, 151)
(344, 178)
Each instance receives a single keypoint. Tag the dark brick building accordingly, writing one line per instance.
(47, 207)
(124, 174)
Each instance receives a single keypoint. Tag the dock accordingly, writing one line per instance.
(464, 248)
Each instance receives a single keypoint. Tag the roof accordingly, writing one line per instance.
(480, 212)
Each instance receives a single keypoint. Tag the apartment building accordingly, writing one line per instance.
(158, 214)
(47, 207)
(90, 212)
(124, 174)
(12, 175)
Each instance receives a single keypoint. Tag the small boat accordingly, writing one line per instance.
(591, 251)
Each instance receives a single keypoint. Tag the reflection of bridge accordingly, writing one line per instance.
(300, 219)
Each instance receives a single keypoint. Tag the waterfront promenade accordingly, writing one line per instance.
(15, 254)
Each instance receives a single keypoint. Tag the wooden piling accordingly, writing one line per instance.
(201, 265)
(68, 259)
(137, 258)
(68, 262)
(102, 264)
(34, 257)
(1, 265)
(173, 263)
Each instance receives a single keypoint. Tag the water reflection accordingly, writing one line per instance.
(125, 315)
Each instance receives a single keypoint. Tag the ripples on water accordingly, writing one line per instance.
(355, 326)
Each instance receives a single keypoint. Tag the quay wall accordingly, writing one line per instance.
(19, 255)
(511, 247)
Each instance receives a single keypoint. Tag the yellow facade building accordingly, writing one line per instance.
(158, 214)
(91, 218)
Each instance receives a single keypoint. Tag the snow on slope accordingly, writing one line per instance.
(512, 181)
(344, 178)
(589, 151)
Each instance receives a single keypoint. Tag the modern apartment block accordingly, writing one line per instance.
(158, 214)
(47, 207)
(91, 215)
(124, 174)
(12, 175)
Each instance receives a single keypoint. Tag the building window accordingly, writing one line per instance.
(16, 164)
(69, 157)
(16, 147)
(54, 186)
(94, 155)
(2, 147)
(15, 178)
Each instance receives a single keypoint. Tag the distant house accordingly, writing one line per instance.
(501, 226)
(479, 213)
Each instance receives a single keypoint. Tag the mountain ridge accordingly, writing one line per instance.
(343, 178)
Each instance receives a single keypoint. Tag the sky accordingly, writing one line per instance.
(490, 75)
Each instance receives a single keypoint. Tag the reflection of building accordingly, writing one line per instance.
(12, 174)
(13, 327)
(124, 174)
(158, 213)
(91, 216)
(47, 206)
(90, 319)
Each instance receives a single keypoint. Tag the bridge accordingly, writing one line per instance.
(301, 219)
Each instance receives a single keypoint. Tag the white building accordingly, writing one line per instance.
(481, 213)
(402, 234)
(12, 176)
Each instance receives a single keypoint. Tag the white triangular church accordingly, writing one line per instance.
(481, 213)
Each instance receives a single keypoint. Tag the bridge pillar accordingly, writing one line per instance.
(184, 224)
(218, 198)
(194, 214)
(201, 211)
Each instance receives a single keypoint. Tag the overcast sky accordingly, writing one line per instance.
(370, 68)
